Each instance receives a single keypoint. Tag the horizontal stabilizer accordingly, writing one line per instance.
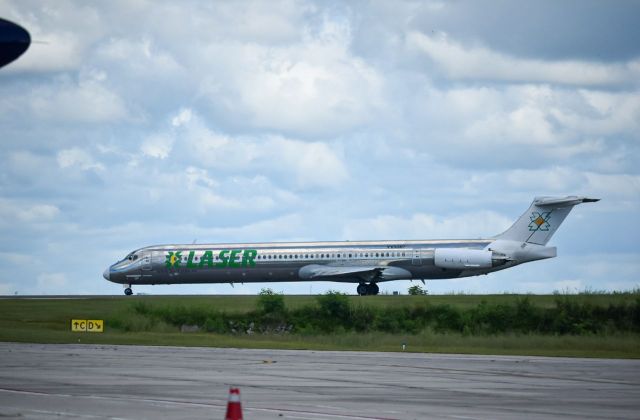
(563, 202)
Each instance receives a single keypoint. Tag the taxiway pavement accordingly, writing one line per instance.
(40, 381)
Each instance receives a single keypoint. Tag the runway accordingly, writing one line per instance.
(129, 382)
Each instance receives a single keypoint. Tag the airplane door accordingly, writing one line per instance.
(146, 262)
(415, 260)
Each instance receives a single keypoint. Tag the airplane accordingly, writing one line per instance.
(14, 41)
(366, 263)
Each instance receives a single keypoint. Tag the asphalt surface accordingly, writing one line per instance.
(40, 381)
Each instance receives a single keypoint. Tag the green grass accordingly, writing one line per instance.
(48, 321)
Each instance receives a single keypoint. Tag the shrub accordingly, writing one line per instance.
(333, 313)
(416, 290)
(270, 302)
(334, 305)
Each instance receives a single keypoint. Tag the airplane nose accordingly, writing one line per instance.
(14, 40)
(106, 274)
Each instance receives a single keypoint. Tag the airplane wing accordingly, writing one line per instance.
(366, 273)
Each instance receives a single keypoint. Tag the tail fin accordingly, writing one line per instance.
(538, 224)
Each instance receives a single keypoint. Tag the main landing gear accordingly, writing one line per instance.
(367, 289)
(127, 290)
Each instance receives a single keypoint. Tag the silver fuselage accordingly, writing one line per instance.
(273, 262)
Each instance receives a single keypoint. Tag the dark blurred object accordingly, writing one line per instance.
(14, 41)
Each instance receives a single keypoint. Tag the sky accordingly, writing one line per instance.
(132, 123)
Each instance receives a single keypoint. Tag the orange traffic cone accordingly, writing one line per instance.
(234, 408)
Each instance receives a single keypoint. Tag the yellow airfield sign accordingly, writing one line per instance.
(87, 325)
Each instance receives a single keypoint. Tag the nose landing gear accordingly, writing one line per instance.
(127, 290)
(367, 289)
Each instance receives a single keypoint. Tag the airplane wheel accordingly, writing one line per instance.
(128, 291)
(373, 289)
(362, 289)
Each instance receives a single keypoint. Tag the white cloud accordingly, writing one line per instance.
(183, 117)
(600, 113)
(157, 146)
(76, 157)
(526, 126)
(12, 210)
(312, 164)
(313, 88)
(555, 179)
(25, 163)
(479, 224)
(480, 63)
(257, 22)
(88, 101)
(617, 190)
(141, 57)
(197, 176)
(212, 200)
(16, 258)
(39, 212)
(279, 228)
(618, 187)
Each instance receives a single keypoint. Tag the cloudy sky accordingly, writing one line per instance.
(131, 123)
